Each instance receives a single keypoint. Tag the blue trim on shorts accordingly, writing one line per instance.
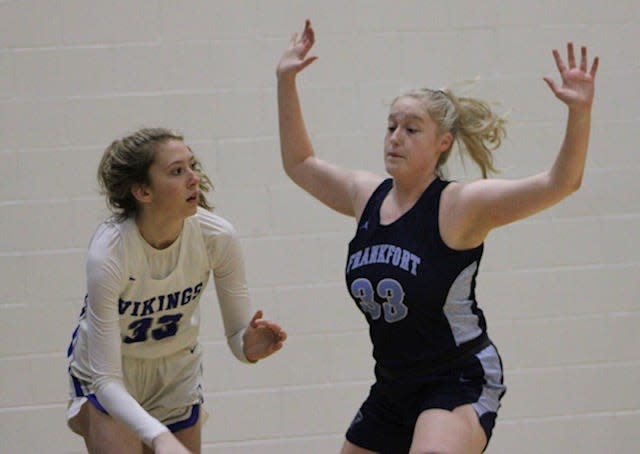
(175, 427)
(96, 403)
(71, 343)
(91, 397)
(189, 422)
(76, 385)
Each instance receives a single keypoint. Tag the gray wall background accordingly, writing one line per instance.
(560, 290)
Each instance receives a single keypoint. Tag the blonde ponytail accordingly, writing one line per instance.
(476, 128)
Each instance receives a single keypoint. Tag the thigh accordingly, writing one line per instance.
(104, 435)
(190, 438)
(449, 432)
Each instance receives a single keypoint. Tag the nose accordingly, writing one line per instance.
(194, 177)
(394, 138)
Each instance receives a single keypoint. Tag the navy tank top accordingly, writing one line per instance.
(417, 294)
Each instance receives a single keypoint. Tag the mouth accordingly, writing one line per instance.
(193, 198)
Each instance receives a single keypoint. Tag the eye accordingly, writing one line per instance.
(177, 171)
(412, 130)
(391, 128)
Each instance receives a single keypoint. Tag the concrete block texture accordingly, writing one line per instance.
(560, 289)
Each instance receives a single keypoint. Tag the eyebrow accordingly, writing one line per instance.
(181, 161)
(409, 117)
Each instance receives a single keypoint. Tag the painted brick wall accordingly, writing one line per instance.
(560, 290)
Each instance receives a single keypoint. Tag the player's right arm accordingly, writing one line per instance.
(346, 191)
(105, 279)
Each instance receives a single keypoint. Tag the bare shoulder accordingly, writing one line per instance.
(455, 218)
(364, 183)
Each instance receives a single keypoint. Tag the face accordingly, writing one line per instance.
(412, 144)
(174, 188)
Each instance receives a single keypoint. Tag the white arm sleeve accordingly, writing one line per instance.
(227, 263)
(104, 280)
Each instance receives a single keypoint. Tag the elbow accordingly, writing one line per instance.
(289, 171)
(567, 189)
(565, 186)
(294, 171)
(574, 185)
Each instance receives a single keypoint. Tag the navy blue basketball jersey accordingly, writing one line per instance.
(417, 294)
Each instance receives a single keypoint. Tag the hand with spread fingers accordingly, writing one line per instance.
(262, 338)
(578, 82)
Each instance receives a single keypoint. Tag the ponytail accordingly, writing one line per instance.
(476, 128)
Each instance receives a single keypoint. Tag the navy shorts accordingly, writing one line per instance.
(386, 420)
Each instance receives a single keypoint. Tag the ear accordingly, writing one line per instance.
(445, 142)
(141, 193)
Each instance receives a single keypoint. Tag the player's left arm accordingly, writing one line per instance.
(250, 338)
(471, 210)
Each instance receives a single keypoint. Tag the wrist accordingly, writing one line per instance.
(580, 110)
(286, 79)
(157, 440)
(579, 116)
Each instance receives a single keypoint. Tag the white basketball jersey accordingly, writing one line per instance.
(161, 316)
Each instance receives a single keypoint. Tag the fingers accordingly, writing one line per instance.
(254, 320)
(276, 331)
(308, 37)
(307, 62)
(570, 55)
(281, 335)
(559, 63)
(552, 85)
(274, 328)
(309, 33)
(583, 59)
(571, 60)
(594, 67)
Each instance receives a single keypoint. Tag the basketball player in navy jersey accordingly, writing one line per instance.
(413, 261)
(135, 361)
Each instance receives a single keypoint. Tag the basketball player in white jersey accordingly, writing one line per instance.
(134, 360)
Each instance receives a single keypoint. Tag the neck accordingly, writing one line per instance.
(159, 233)
(406, 193)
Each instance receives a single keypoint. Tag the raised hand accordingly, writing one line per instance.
(578, 84)
(262, 338)
(295, 58)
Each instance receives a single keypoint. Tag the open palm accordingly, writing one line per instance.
(578, 83)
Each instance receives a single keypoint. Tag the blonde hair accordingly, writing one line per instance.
(476, 128)
(126, 163)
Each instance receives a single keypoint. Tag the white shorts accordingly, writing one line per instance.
(169, 388)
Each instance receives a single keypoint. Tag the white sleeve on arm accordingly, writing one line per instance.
(225, 255)
(104, 282)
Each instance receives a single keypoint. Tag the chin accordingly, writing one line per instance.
(391, 168)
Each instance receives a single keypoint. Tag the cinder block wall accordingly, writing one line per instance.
(560, 290)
